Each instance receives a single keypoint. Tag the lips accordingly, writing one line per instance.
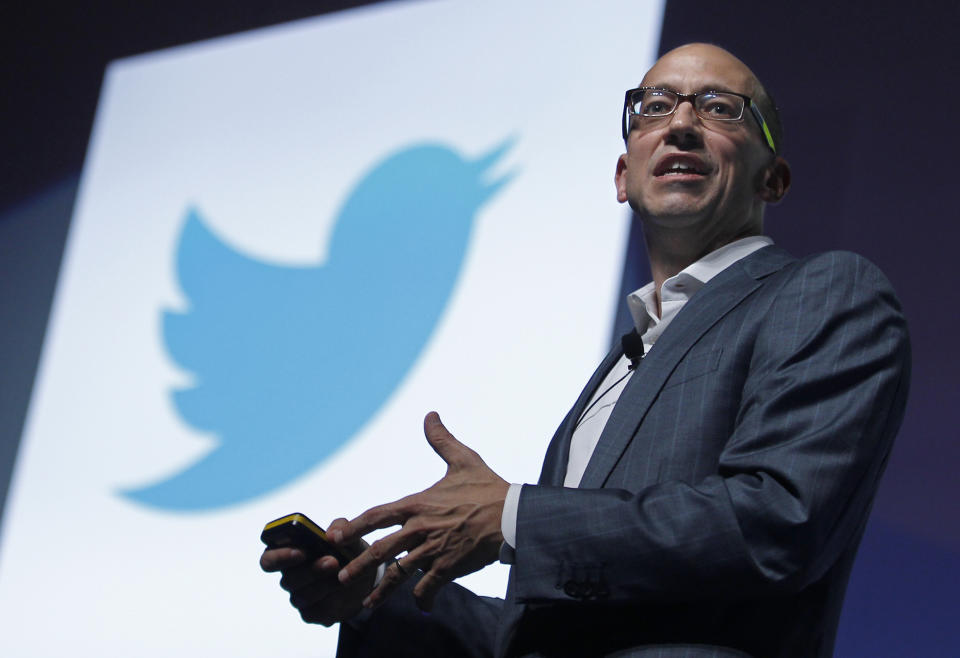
(681, 164)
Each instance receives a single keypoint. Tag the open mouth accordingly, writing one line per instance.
(680, 165)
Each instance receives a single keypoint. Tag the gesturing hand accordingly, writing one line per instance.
(449, 530)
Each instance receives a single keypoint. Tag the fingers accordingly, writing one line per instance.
(336, 530)
(401, 569)
(435, 577)
(319, 601)
(298, 577)
(379, 552)
(445, 444)
(342, 534)
(317, 594)
(314, 588)
(426, 590)
(277, 559)
(381, 516)
(311, 593)
(395, 574)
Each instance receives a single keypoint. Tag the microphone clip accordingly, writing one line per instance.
(632, 348)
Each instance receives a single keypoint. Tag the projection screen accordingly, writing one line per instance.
(288, 246)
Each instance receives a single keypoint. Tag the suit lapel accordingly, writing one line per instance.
(558, 453)
(717, 298)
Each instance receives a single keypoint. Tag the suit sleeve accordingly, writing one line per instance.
(461, 624)
(822, 400)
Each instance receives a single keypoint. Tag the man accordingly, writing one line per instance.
(706, 500)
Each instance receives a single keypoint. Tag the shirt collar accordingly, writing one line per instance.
(643, 304)
(720, 259)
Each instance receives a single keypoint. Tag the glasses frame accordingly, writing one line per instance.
(748, 102)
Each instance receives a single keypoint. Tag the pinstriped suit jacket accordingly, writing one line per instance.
(721, 510)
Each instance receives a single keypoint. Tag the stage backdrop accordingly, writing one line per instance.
(139, 569)
(288, 246)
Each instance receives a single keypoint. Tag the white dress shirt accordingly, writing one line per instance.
(676, 291)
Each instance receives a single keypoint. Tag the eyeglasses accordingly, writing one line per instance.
(651, 104)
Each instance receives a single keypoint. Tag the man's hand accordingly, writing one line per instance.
(313, 585)
(449, 530)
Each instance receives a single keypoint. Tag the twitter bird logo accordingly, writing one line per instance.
(290, 362)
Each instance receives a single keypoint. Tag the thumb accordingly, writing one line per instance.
(444, 443)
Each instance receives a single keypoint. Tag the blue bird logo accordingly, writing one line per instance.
(290, 362)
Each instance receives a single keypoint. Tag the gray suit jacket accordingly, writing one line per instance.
(721, 510)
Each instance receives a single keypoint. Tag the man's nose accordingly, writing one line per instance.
(684, 123)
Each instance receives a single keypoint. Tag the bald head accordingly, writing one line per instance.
(694, 58)
(705, 56)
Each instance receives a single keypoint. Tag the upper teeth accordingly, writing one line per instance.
(680, 165)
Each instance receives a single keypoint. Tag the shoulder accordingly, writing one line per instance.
(832, 312)
(833, 292)
(835, 274)
(839, 262)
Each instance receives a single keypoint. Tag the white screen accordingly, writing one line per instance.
(264, 137)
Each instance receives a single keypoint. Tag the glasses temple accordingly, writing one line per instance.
(763, 125)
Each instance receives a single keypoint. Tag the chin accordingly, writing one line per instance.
(678, 202)
(675, 214)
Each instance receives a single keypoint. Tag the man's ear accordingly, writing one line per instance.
(620, 178)
(776, 181)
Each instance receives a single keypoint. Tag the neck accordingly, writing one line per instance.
(669, 251)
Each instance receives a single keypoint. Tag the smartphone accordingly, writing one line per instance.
(298, 531)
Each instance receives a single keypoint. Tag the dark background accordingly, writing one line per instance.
(870, 102)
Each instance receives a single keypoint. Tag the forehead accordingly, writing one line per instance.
(689, 69)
